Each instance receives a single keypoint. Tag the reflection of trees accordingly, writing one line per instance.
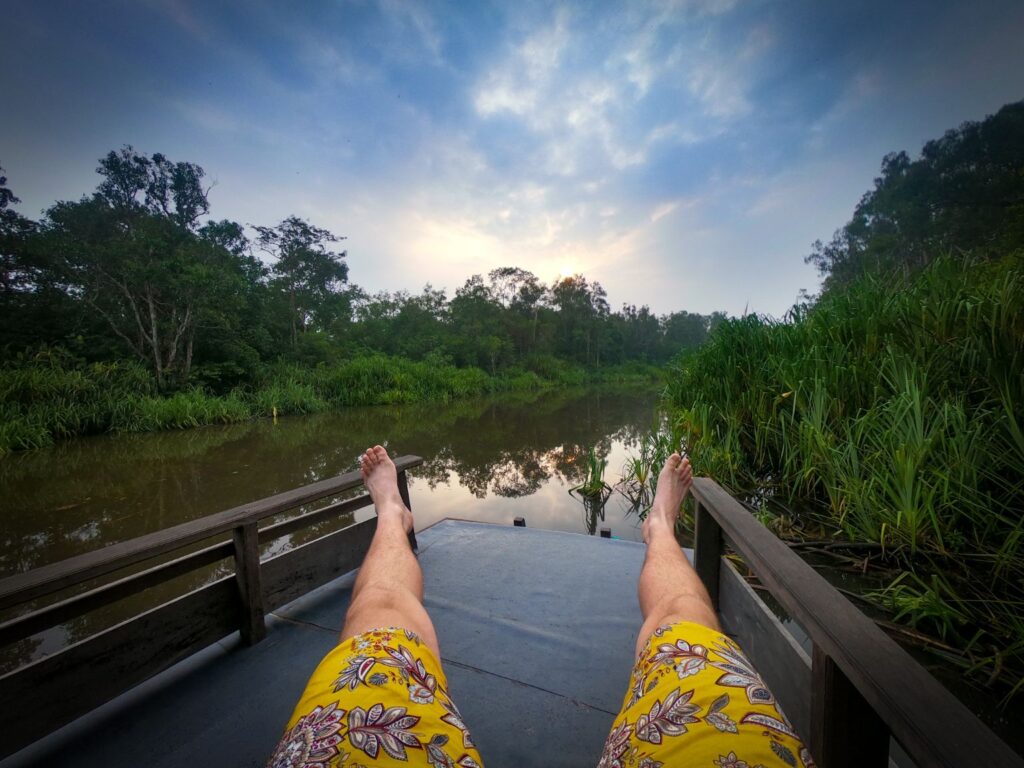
(569, 461)
(509, 473)
(513, 481)
(77, 495)
(639, 499)
(83, 494)
(18, 654)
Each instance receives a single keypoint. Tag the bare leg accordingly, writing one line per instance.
(389, 588)
(670, 590)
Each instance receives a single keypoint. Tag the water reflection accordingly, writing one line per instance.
(593, 511)
(484, 460)
(490, 460)
(638, 498)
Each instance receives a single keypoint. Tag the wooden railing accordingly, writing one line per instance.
(863, 686)
(46, 694)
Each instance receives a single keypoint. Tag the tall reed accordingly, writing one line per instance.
(892, 412)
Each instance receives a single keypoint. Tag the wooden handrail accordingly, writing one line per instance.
(109, 662)
(865, 685)
(48, 579)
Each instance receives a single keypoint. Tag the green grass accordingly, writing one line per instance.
(892, 412)
(52, 396)
(182, 410)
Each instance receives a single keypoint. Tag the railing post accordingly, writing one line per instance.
(707, 549)
(247, 575)
(845, 730)
(403, 491)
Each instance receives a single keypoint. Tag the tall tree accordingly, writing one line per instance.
(309, 274)
(133, 256)
(522, 294)
(477, 325)
(964, 193)
(683, 331)
(13, 229)
(30, 305)
(152, 283)
(582, 307)
(135, 183)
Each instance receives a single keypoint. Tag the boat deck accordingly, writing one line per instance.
(537, 630)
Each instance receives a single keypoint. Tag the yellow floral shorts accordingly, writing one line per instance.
(380, 699)
(695, 700)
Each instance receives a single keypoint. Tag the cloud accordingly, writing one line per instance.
(683, 152)
(183, 16)
(415, 17)
(720, 78)
(581, 117)
(663, 210)
(518, 84)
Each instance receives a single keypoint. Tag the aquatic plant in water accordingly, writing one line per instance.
(593, 485)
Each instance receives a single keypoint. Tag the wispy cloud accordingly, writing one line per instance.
(683, 152)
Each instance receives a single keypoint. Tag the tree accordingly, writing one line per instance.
(522, 295)
(641, 333)
(134, 183)
(153, 284)
(31, 307)
(683, 331)
(133, 257)
(582, 307)
(964, 193)
(14, 228)
(307, 272)
(477, 329)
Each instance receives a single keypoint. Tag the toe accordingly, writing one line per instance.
(673, 460)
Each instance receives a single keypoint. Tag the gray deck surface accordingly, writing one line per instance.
(536, 631)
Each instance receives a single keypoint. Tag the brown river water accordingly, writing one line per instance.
(486, 459)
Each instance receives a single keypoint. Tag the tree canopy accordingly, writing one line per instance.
(139, 269)
(965, 193)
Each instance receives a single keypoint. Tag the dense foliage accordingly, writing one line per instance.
(51, 396)
(891, 410)
(964, 194)
(138, 271)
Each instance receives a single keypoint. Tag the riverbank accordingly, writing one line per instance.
(51, 397)
(889, 415)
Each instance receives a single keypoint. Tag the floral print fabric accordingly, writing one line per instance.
(377, 699)
(695, 700)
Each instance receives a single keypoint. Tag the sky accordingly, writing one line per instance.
(683, 153)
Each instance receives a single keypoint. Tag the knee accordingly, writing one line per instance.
(684, 607)
(373, 597)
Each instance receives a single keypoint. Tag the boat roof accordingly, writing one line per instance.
(537, 630)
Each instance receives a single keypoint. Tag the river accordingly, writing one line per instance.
(491, 459)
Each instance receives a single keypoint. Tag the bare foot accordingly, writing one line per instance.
(673, 484)
(381, 480)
